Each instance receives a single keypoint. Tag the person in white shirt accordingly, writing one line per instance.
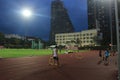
(55, 56)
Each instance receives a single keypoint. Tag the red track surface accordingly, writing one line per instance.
(75, 66)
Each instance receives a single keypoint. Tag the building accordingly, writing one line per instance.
(83, 38)
(60, 21)
(14, 36)
(101, 14)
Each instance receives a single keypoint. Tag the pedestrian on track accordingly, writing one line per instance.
(55, 56)
(100, 57)
(106, 54)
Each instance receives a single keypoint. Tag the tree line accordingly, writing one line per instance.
(14, 42)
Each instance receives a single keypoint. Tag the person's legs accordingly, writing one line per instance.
(106, 60)
(103, 58)
(51, 60)
(56, 61)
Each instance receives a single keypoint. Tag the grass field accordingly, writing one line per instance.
(13, 53)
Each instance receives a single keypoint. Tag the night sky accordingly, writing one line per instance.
(38, 25)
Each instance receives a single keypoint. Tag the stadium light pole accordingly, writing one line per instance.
(118, 36)
(26, 13)
(110, 21)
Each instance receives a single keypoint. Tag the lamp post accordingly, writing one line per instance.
(26, 13)
(110, 21)
(118, 36)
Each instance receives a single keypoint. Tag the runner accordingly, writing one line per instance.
(106, 54)
(55, 56)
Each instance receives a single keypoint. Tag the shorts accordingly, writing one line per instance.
(106, 58)
(100, 55)
(55, 58)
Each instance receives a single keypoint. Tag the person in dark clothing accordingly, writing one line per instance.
(106, 54)
(100, 53)
(100, 57)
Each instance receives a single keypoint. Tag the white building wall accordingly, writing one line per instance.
(14, 36)
(85, 38)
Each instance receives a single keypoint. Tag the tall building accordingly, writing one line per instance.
(60, 21)
(101, 15)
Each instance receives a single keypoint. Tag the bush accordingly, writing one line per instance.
(94, 47)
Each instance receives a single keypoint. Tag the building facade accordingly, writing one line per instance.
(14, 36)
(60, 21)
(83, 38)
(101, 14)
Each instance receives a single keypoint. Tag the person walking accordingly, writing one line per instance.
(100, 57)
(100, 54)
(107, 54)
(55, 56)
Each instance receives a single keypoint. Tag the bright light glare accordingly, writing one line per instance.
(26, 12)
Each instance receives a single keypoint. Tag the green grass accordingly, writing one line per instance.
(13, 53)
(8, 53)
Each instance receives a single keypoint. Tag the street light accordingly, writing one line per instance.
(26, 13)
(110, 21)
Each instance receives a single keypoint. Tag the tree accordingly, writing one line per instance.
(2, 38)
(96, 40)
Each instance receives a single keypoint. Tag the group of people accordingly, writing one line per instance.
(105, 56)
(54, 60)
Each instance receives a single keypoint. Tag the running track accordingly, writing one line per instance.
(74, 66)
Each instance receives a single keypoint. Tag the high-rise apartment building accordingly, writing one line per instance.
(101, 14)
(60, 21)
